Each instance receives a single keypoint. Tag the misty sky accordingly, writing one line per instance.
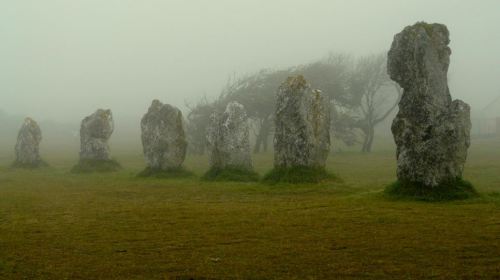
(62, 59)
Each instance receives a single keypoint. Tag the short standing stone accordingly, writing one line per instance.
(228, 139)
(95, 132)
(302, 136)
(431, 131)
(27, 146)
(163, 137)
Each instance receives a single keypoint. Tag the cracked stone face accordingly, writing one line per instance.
(302, 136)
(95, 131)
(163, 137)
(228, 139)
(431, 131)
(28, 142)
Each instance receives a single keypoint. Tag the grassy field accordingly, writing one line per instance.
(57, 225)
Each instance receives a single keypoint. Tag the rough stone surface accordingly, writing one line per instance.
(95, 132)
(27, 146)
(163, 137)
(302, 136)
(432, 132)
(228, 139)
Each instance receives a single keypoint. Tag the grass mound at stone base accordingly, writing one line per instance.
(458, 189)
(230, 174)
(92, 165)
(21, 165)
(166, 174)
(298, 175)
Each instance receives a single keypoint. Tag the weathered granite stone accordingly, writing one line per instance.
(163, 137)
(95, 132)
(228, 139)
(432, 132)
(302, 136)
(27, 146)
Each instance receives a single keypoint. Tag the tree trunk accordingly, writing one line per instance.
(369, 135)
(258, 142)
(262, 137)
(265, 140)
(370, 139)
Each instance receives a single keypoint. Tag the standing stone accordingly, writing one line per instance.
(95, 132)
(432, 132)
(302, 136)
(163, 137)
(27, 146)
(228, 139)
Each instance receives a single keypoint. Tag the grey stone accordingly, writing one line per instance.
(431, 131)
(27, 146)
(95, 131)
(228, 139)
(163, 137)
(302, 136)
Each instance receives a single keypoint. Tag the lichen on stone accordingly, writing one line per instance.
(27, 149)
(229, 144)
(95, 131)
(163, 138)
(431, 131)
(302, 126)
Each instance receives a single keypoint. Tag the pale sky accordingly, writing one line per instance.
(62, 59)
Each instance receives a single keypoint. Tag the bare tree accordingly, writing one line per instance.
(371, 84)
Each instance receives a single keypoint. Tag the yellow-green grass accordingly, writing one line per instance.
(59, 225)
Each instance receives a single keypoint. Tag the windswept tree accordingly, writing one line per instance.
(358, 92)
(258, 94)
(378, 96)
(197, 120)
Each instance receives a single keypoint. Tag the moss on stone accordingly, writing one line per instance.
(296, 82)
(429, 29)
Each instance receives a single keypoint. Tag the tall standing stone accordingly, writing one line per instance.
(302, 136)
(431, 131)
(95, 131)
(163, 137)
(27, 146)
(228, 139)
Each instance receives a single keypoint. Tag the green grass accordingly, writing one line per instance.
(165, 174)
(89, 166)
(230, 175)
(58, 225)
(298, 175)
(38, 164)
(455, 190)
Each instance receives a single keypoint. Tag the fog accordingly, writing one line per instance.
(60, 60)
